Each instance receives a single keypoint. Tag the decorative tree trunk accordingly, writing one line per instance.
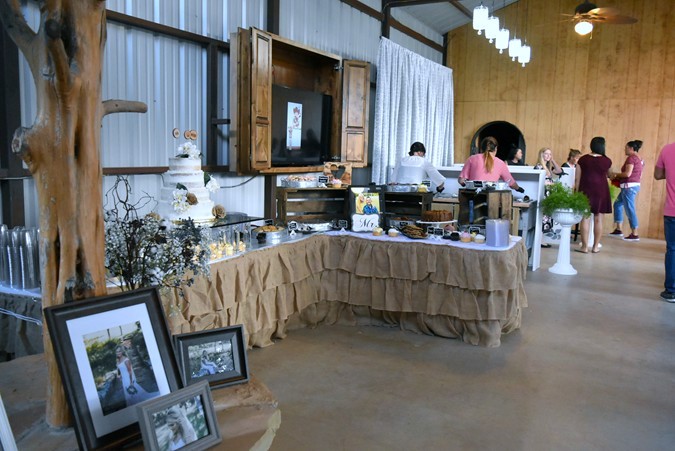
(61, 150)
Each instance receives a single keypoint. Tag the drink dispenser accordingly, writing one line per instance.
(19, 257)
(4, 268)
(497, 232)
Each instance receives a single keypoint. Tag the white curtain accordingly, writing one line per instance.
(414, 102)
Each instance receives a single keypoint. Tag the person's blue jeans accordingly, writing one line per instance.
(626, 200)
(669, 229)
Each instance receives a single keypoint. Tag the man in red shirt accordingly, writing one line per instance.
(665, 169)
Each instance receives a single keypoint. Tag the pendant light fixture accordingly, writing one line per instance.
(492, 28)
(480, 17)
(514, 48)
(502, 41)
(524, 55)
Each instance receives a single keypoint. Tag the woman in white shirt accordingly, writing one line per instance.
(414, 168)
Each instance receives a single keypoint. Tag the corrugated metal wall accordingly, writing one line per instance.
(336, 27)
(413, 44)
(169, 75)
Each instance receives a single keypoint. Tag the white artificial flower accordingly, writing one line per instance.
(190, 150)
(180, 203)
(212, 185)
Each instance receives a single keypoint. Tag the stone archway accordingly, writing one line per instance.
(507, 135)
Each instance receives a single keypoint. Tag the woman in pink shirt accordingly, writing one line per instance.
(485, 166)
(629, 182)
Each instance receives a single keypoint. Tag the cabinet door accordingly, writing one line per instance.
(240, 105)
(261, 100)
(355, 107)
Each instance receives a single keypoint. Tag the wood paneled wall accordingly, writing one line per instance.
(619, 83)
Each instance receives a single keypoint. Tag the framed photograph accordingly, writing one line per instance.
(113, 352)
(183, 420)
(366, 205)
(217, 356)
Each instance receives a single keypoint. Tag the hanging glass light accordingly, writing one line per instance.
(514, 48)
(492, 28)
(524, 55)
(480, 17)
(502, 41)
(583, 27)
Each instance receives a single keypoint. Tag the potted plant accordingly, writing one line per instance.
(566, 207)
(565, 204)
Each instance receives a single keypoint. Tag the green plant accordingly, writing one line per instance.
(560, 197)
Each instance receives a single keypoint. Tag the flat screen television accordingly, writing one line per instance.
(300, 127)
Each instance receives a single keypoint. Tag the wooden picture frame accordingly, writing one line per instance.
(112, 352)
(217, 356)
(185, 417)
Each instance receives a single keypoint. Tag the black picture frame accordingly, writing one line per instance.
(190, 409)
(220, 369)
(100, 394)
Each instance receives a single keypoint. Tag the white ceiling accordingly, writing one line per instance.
(443, 16)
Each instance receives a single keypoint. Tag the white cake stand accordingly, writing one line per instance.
(566, 218)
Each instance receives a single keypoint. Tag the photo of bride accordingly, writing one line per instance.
(121, 367)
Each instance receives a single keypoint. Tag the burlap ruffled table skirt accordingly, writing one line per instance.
(442, 290)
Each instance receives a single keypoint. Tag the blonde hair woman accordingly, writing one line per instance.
(546, 161)
(182, 432)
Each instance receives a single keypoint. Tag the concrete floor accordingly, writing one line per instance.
(593, 368)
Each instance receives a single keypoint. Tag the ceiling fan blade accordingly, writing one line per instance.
(616, 20)
(606, 11)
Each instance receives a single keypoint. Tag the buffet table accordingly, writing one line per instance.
(442, 288)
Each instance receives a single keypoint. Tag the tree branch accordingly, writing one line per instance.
(123, 106)
(15, 24)
(57, 51)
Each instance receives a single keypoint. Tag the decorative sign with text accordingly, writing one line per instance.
(366, 204)
(365, 223)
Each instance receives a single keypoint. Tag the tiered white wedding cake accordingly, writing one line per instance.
(185, 193)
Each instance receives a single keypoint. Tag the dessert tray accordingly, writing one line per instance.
(402, 188)
(437, 223)
(295, 181)
(414, 233)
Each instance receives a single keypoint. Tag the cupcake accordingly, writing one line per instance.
(479, 239)
(465, 237)
(393, 232)
(377, 231)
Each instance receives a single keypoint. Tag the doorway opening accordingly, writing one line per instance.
(508, 137)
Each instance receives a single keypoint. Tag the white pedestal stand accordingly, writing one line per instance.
(566, 218)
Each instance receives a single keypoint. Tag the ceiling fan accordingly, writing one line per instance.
(587, 14)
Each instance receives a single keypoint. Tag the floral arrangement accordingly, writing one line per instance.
(218, 211)
(183, 199)
(210, 183)
(143, 251)
(188, 150)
